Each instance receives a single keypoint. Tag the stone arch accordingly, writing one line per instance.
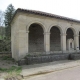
(36, 38)
(73, 29)
(55, 38)
(70, 44)
(37, 22)
(70, 33)
(61, 31)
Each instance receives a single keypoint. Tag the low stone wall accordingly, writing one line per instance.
(74, 56)
(34, 59)
(5, 52)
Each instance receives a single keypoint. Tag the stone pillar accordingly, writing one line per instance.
(23, 44)
(63, 42)
(47, 42)
(27, 43)
(76, 42)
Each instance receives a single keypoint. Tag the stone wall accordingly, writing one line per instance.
(24, 39)
(35, 59)
(46, 58)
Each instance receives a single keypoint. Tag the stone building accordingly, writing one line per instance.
(35, 31)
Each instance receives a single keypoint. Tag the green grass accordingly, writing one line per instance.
(16, 69)
(13, 72)
(7, 58)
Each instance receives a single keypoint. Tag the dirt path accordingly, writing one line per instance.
(5, 64)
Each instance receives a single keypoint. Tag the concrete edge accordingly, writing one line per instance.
(61, 67)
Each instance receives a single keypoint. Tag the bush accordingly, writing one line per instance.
(5, 45)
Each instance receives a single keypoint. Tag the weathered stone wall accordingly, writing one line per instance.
(34, 59)
(55, 43)
(14, 40)
(22, 22)
(46, 58)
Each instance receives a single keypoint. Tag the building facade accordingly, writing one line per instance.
(35, 31)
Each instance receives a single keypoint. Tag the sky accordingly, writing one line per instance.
(67, 8)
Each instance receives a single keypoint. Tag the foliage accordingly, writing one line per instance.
(8, 17)
(5, 45)
(2, 29)
(2, 33)
(5, 32)
(7, 58)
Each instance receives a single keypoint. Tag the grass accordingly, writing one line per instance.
(7, 58)
(12, 73)
(12, 69)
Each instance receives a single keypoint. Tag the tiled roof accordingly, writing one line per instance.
(44, 14)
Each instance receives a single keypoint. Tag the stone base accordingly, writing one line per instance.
(42, 58)
(21, 62)
(34, 59)
(74, 56)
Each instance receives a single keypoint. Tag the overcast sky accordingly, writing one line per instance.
(67, 8)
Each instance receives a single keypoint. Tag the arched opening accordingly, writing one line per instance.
(36, 38)
(79, 40)
(69, 39)
(55, 39)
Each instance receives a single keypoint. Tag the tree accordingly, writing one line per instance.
(7, 19)
(2, 30)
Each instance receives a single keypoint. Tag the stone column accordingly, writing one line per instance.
(47, 42)
(27, 42)
(23, 44)
(76, 42)
(63, 42)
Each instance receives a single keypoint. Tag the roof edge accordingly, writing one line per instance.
(43, 14)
